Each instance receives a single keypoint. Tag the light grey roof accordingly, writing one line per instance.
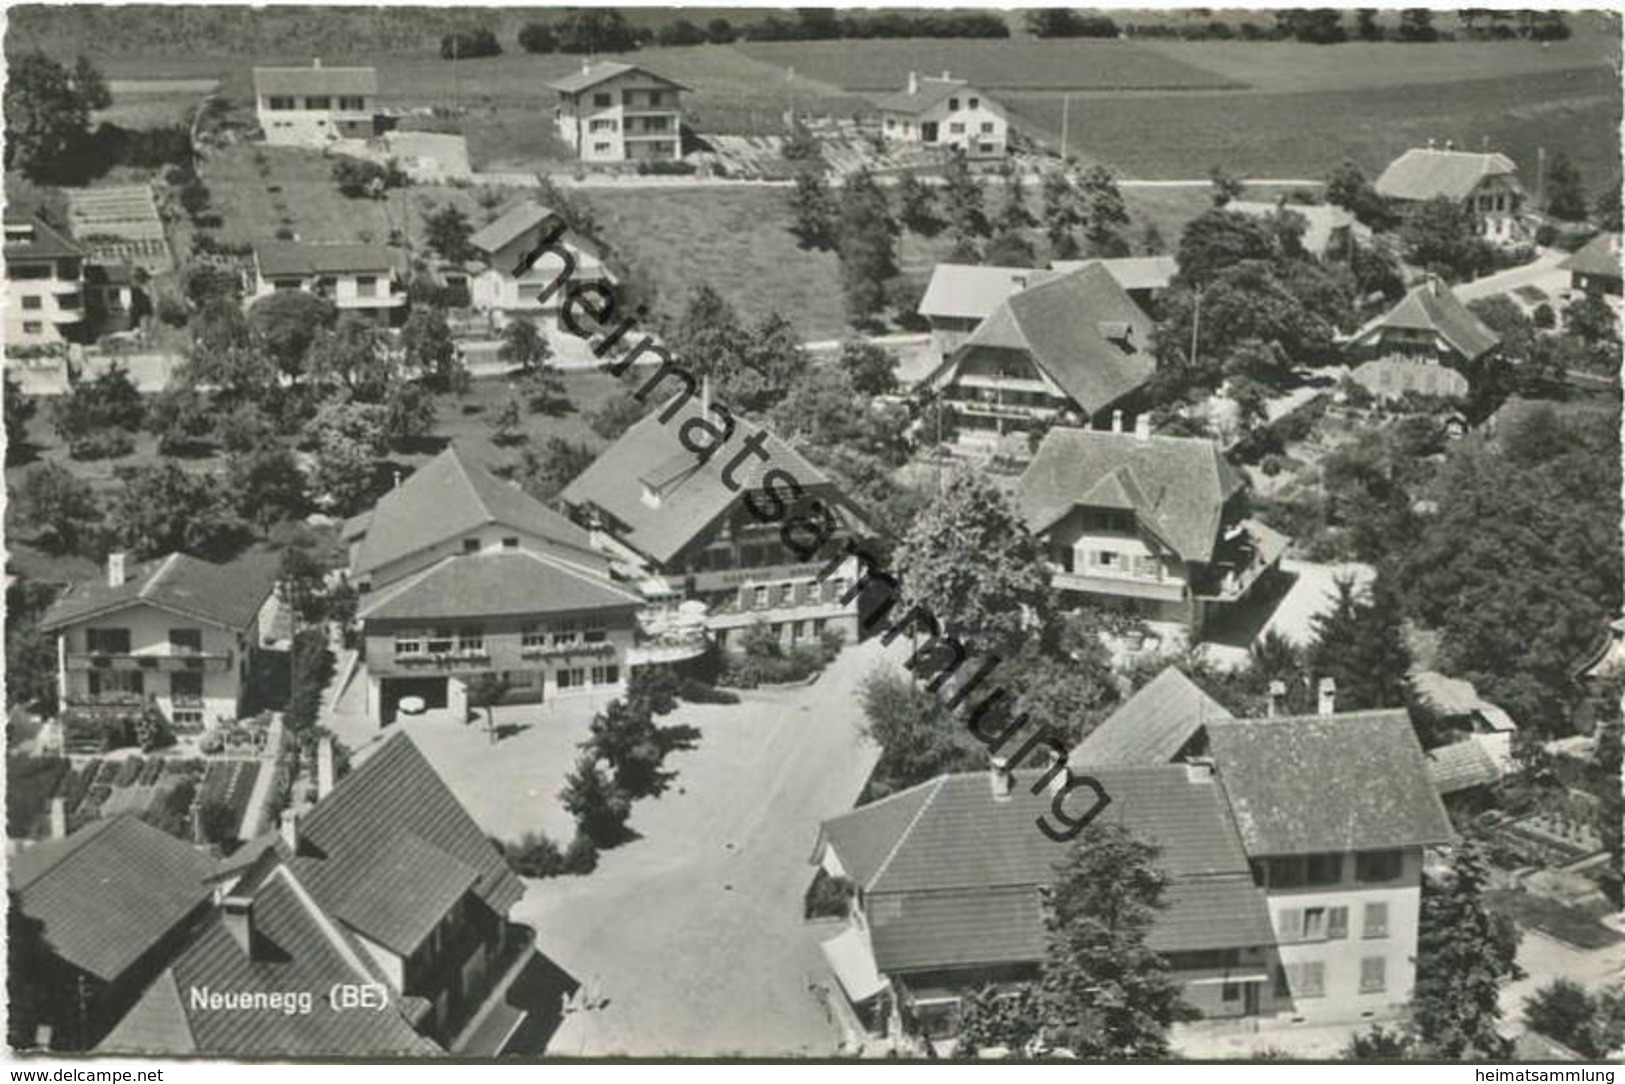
(1433, 306)
(1153, 725)
(1321, 220)
(928, 91)
(591, 76)
(1599, 256)
(313, 80)
(1423, 173)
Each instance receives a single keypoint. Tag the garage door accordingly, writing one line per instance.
(431, 690)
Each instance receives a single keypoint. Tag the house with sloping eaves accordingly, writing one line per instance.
(109, 905)
(45, 273)
(1594, 268)
(616, 112)
(1070, 350)
(1327, 230)
(1293, 854)
(945, 112)
(385, 884)
(1149, 525)
(1163, 722)
(1484, 182)
(368, 280)
(177, 633)
(691, 527)
(316, 106)
(462, 575)
(509, 284)
(1428, 343)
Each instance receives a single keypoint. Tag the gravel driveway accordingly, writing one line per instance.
(689, 940)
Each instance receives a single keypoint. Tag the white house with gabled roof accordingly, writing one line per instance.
(945, 112)
(315, 106)
(615, 112)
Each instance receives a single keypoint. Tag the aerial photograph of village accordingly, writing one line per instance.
(804, 533)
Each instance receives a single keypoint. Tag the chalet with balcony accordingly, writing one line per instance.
(464, 575)
(315, 106)
(45, 299)
(111, 904)
(1067, 351)
(1293, 852)
(1428, 343)
(960, 296)
(683, 525)
(178, 634)
(615, 112)
(1153, 526)
(368, 280)
(387, 884)
(945, 112)
(504, 245)
(1486, 183)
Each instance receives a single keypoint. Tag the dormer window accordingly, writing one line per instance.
(953, 103)
(650, 496)
(471, 545)
(1118, 332)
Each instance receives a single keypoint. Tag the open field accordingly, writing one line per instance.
(1078, 64)
(1307, 134)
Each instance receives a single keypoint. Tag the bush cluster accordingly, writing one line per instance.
(766, 661)
(313, 665)
(535, 855)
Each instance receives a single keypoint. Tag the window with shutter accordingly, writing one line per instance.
(1289, 925)
(1373, 975)
(1376, 920)
(1337, 923)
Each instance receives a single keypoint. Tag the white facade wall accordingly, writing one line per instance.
(981, 130)
(346, 290)
(497, 290)
(38, 309)
(303, 126)
(615, 122)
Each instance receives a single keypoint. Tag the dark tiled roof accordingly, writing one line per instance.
(1432, 306)
(692, 494)
(297, 949)
(1072, 328)
(1354, 781)
(928, 92)
(1153, 725)
(515, 222)
(45, 244)
(1425, 173)
(510, 584)
(1177, 486)
(349, 81)
(578, 81)
(964, 859)
(1599, 256)
(396, 793)
(228, 595)
(280, 259)
(110, 891)
(447, 497)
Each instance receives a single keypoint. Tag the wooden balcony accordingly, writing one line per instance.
(168, 663)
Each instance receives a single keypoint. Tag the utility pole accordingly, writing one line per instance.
(1066, 108)
(1196, 323)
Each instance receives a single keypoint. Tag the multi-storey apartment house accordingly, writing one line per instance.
(110, 904)
(45, 300)
(363, 279)
(177, 633)
(504, 246)
(314, 106)
(1486, 183)
(386, 883)
(945, 112)
(1154, 526)
(615, 112)
(960, 296)
(1069, 350)
(1293, 852)
(463, 575)
(682, 523)
(1335, 811)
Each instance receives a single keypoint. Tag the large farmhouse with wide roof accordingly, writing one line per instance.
(1485, 183)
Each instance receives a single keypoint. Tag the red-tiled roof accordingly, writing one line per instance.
(1353, 781)
(501, 584)
(1153, 725)
(1177, 486)
(692, 494)
(449, 496)
(109, 892)
(1423, 173)
(228, 595)
(1082, 330)
(396, 793)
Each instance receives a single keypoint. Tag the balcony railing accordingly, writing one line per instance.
(576, 647)
(468, 656)
(168, 662)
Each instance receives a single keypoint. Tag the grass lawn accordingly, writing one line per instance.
(1306, 134)
(990, 63)
(1566, 924)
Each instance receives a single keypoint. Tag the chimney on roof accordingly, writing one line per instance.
(324, 768)
(1277, 698)
(1450, 144)
(1432, 145)
(115, 569)
(1060, 780)
(945, 75)
(237, 916)
(1142, 426)
(1001, 777)
(59, 817)
(586, 66)
(913, 82)
(1199, 770)
(1117, 421)
(315, 62)
(289, 825)
(1328, 696)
